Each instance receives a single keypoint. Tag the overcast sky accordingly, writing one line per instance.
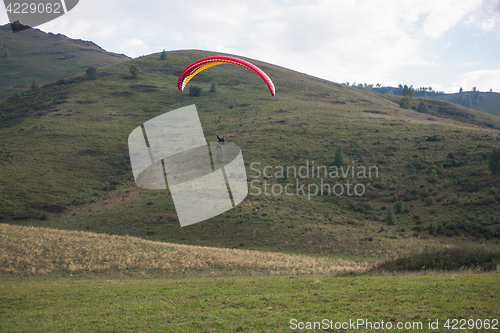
(445, 44)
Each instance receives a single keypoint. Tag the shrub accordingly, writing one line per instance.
(492, 231)
(494, 163)
(405, 103)
(34, 85)
(453, 163)
(134, 71)
(423, 107)
(390, 218)
(398, 207)
(213, 87)
(163, 55)
(433, 138)
(339, 157)
(433, 176)
(194, 91)
(446, 258)
(415, 189)
(451, 155)
(432, 228)
(429, 201)
(383, 160)
(91, 73)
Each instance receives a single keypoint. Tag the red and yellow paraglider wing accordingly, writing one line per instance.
(202, 64)
(198, 70)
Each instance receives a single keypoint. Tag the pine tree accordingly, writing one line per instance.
(405, 102)
(339, 157)
(405, 90)
(390, 218)
(398, 207)
(34, 85)
(411, 92)
(134, 71)
(432, 229)
(163, 55)
(91, 73)
(433, 176)
(423, 107)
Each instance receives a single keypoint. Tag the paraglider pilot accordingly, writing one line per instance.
(221, 142)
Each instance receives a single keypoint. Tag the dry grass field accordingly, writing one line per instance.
(29, 251)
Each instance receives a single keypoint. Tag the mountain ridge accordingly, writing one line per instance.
(46, 57)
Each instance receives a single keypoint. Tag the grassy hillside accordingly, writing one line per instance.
(64, 161)
(34, 54)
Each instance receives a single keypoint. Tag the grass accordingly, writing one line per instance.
(258, 304)
(31, 252)
(59, 281)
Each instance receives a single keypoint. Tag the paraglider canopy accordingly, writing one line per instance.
(202, 64)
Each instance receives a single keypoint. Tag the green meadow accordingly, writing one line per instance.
(262, 304)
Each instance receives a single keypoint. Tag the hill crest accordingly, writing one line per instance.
(47, 57)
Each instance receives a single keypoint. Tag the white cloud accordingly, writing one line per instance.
(134, 47)
(470, 63)
(445, 14)
(484, 80)
(488, 25)
(362, 41)
(485, 16)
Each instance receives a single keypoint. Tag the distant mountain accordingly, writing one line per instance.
(488, 102)
(46, 57)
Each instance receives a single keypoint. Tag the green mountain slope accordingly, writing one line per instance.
(488, 102)
(34, 54)
(64, 161)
